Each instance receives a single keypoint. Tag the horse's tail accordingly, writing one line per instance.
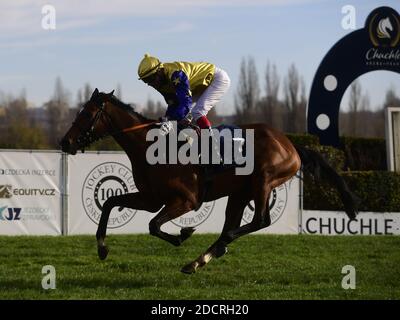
(315, 164)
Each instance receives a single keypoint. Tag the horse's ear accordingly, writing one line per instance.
(95, 93)
(111, 93)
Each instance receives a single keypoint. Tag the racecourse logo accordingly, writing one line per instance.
(195, 218)
(384, 33)
(104, 181)
(384, 29)
(277, 205)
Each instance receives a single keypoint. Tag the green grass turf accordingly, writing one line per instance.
(256, 267)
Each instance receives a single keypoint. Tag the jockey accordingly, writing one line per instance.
(182, 84)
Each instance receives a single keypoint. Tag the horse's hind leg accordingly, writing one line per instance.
(233, 217)
(261, 218)
(171, 211)
(131, 200)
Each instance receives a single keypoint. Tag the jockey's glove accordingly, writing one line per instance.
(166, 127)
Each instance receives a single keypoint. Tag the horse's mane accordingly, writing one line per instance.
(129, 108)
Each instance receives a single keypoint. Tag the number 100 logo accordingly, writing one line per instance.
(107, 180)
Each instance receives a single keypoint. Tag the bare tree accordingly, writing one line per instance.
(355, 96)
(87, 92)
(83, 95)
(270, 106)
(301, 109)
(118, 91)
(61, 95)
(153, 110)
(365, 124)
(360, 120)
(79, 99)
(248, 91)
(391, 99)
(272, 82)
(17, 130)
(355, 106)
(58, 113)
(294, 101)
(16, 109)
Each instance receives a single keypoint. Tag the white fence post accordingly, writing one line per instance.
(64, 193)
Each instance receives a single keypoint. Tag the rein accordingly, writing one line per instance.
(139, 126)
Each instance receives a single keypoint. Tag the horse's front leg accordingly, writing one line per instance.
(233, 216)
(136, 200)
(172, 210)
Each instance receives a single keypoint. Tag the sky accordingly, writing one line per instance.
(102, 42)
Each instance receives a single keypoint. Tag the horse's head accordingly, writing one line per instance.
(91, 123)
(383, 27)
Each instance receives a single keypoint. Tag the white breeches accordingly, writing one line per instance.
(212, 94)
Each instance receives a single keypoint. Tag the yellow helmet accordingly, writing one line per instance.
(148, 66)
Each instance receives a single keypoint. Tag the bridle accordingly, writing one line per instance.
(88, 136)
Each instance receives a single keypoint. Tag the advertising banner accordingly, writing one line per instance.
(283, 204)
(337, 223)
(284, 207)
(94, 177)
(30, 197)
(32, 201)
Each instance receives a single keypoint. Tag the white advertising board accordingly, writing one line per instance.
(284, 210)
(93, 177)
(337, 223)
(30, 197)
(32, 201)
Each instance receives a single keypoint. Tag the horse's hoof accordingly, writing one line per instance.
(220, 251)
(190, 268)
(186, 232)
(176, 241)
(102, 251)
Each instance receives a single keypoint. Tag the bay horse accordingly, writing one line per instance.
(175, 189)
